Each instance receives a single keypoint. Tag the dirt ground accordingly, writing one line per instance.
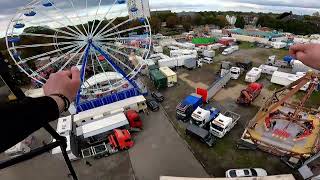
(224, 154)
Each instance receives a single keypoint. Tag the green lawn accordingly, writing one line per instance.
(246, 45)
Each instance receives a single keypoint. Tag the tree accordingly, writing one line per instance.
(155, 23)
(240, 23)
(172, 21)
(221, 21)
(317, 14)
(186, 25)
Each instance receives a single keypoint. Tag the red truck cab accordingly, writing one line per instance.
(134, 119)
(120, 139)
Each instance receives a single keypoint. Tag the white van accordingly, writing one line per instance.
(208, 60)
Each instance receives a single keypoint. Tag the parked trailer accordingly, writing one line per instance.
(207, 94)
(94, 131)
(159, 80)
(286, 79)
(266, 69)
(190, 63)
(201, 134)
(136, 103)
(170, 62)
(253, 75)
(172, 78)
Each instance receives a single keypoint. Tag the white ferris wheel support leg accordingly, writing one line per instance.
(76, 11)
(63, 13)
(45, 54)
(115, 58)
(105, 16)
(103, 70)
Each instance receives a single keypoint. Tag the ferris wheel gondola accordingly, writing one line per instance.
(76, 33)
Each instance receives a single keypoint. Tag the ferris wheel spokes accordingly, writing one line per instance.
(105, 16)
(60, 57)
(95, 16)
(67, 18)
(45, 54)
(76, 12)
(39, 45)
(126, 30)
(72, 57)
(114, 27)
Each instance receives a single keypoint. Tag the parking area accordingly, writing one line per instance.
(224, 155)
(158, 150)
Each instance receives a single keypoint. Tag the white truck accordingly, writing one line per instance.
(202, 117)
(230, 50)
(235, 72)
(272, 61)
(222, 124)
(253, 75)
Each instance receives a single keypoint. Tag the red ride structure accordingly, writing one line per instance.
(248, 95)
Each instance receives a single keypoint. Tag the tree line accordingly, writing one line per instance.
(303, 25)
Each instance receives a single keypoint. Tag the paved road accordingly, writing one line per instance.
(159, 150)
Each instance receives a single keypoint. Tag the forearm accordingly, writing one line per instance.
(22, 118)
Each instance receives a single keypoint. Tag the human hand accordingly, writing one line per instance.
(66, 83)
(309, 54)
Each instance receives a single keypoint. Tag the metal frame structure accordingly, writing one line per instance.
(60, 140)
(270, 107)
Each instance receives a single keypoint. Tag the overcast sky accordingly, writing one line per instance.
(8, 7)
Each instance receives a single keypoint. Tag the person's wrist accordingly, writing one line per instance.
(59, 101)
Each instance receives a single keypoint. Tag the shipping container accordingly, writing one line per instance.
(171, 76)
(159, 80)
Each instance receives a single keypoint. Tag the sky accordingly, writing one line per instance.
(9, 7)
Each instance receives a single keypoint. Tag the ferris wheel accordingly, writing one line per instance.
(108, 41)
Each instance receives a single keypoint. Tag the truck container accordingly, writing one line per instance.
(298, 66)
(186, 107)
(169, 62)
(209, 53)
(207, 94)
(136, 103)
(220, 126)
(286, 79)
(158, 49)
(158, 79)
(225, 68)
(253, 75)
(95, 131)
(248, 95)
(171, 76)
(202, 117)
(190, 63)
(201, 134)
(266, 69)
(182, 52)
